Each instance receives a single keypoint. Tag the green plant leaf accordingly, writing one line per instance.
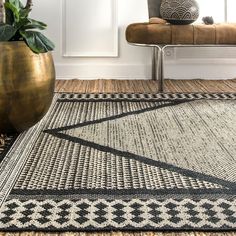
(17, 3)
(34, 24)
(24, 12)
(7, 32)
(27, 23)
(20, 27)
(37, 41)
(22, 23)
(9, 17)
(37, 22)
(13, 9)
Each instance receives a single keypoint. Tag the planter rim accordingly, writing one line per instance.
(13, 42)
(20, 44)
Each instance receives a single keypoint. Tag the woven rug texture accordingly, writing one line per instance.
(100, 162)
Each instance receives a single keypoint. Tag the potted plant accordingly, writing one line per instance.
(27, 74)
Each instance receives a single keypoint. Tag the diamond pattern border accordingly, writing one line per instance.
(104, 214)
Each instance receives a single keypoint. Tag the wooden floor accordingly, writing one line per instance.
(138, 86)
(144, 86)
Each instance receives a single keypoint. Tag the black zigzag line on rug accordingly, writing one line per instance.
(145, 160)
(172, 103)
(190, 173)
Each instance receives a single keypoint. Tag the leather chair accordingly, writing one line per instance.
(161, 36)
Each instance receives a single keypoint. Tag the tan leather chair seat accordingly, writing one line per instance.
(162, 34)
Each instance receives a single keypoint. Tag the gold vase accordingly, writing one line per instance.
(27, 83)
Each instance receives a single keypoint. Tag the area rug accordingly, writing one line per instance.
(100, 162)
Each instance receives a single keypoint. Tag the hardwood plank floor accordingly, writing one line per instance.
(138, 86)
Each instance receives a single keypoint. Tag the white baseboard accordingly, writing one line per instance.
(89, 72)
(179, 70)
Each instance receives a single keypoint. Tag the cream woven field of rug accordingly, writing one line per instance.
(101, 162)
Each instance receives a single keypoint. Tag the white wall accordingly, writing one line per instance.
(133, 62)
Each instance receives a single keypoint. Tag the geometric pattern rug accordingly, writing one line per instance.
(99, 162)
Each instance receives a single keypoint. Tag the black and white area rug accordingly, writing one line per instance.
(124, 162)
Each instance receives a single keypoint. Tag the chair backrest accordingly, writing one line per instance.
(154, 8)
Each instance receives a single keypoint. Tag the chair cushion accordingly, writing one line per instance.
(148, 33)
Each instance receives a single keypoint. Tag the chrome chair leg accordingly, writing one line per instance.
(159, 58)
(158, 66)
(157, 63)
(154, 63)
(161, 70)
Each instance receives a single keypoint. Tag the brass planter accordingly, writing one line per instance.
(27, 83)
